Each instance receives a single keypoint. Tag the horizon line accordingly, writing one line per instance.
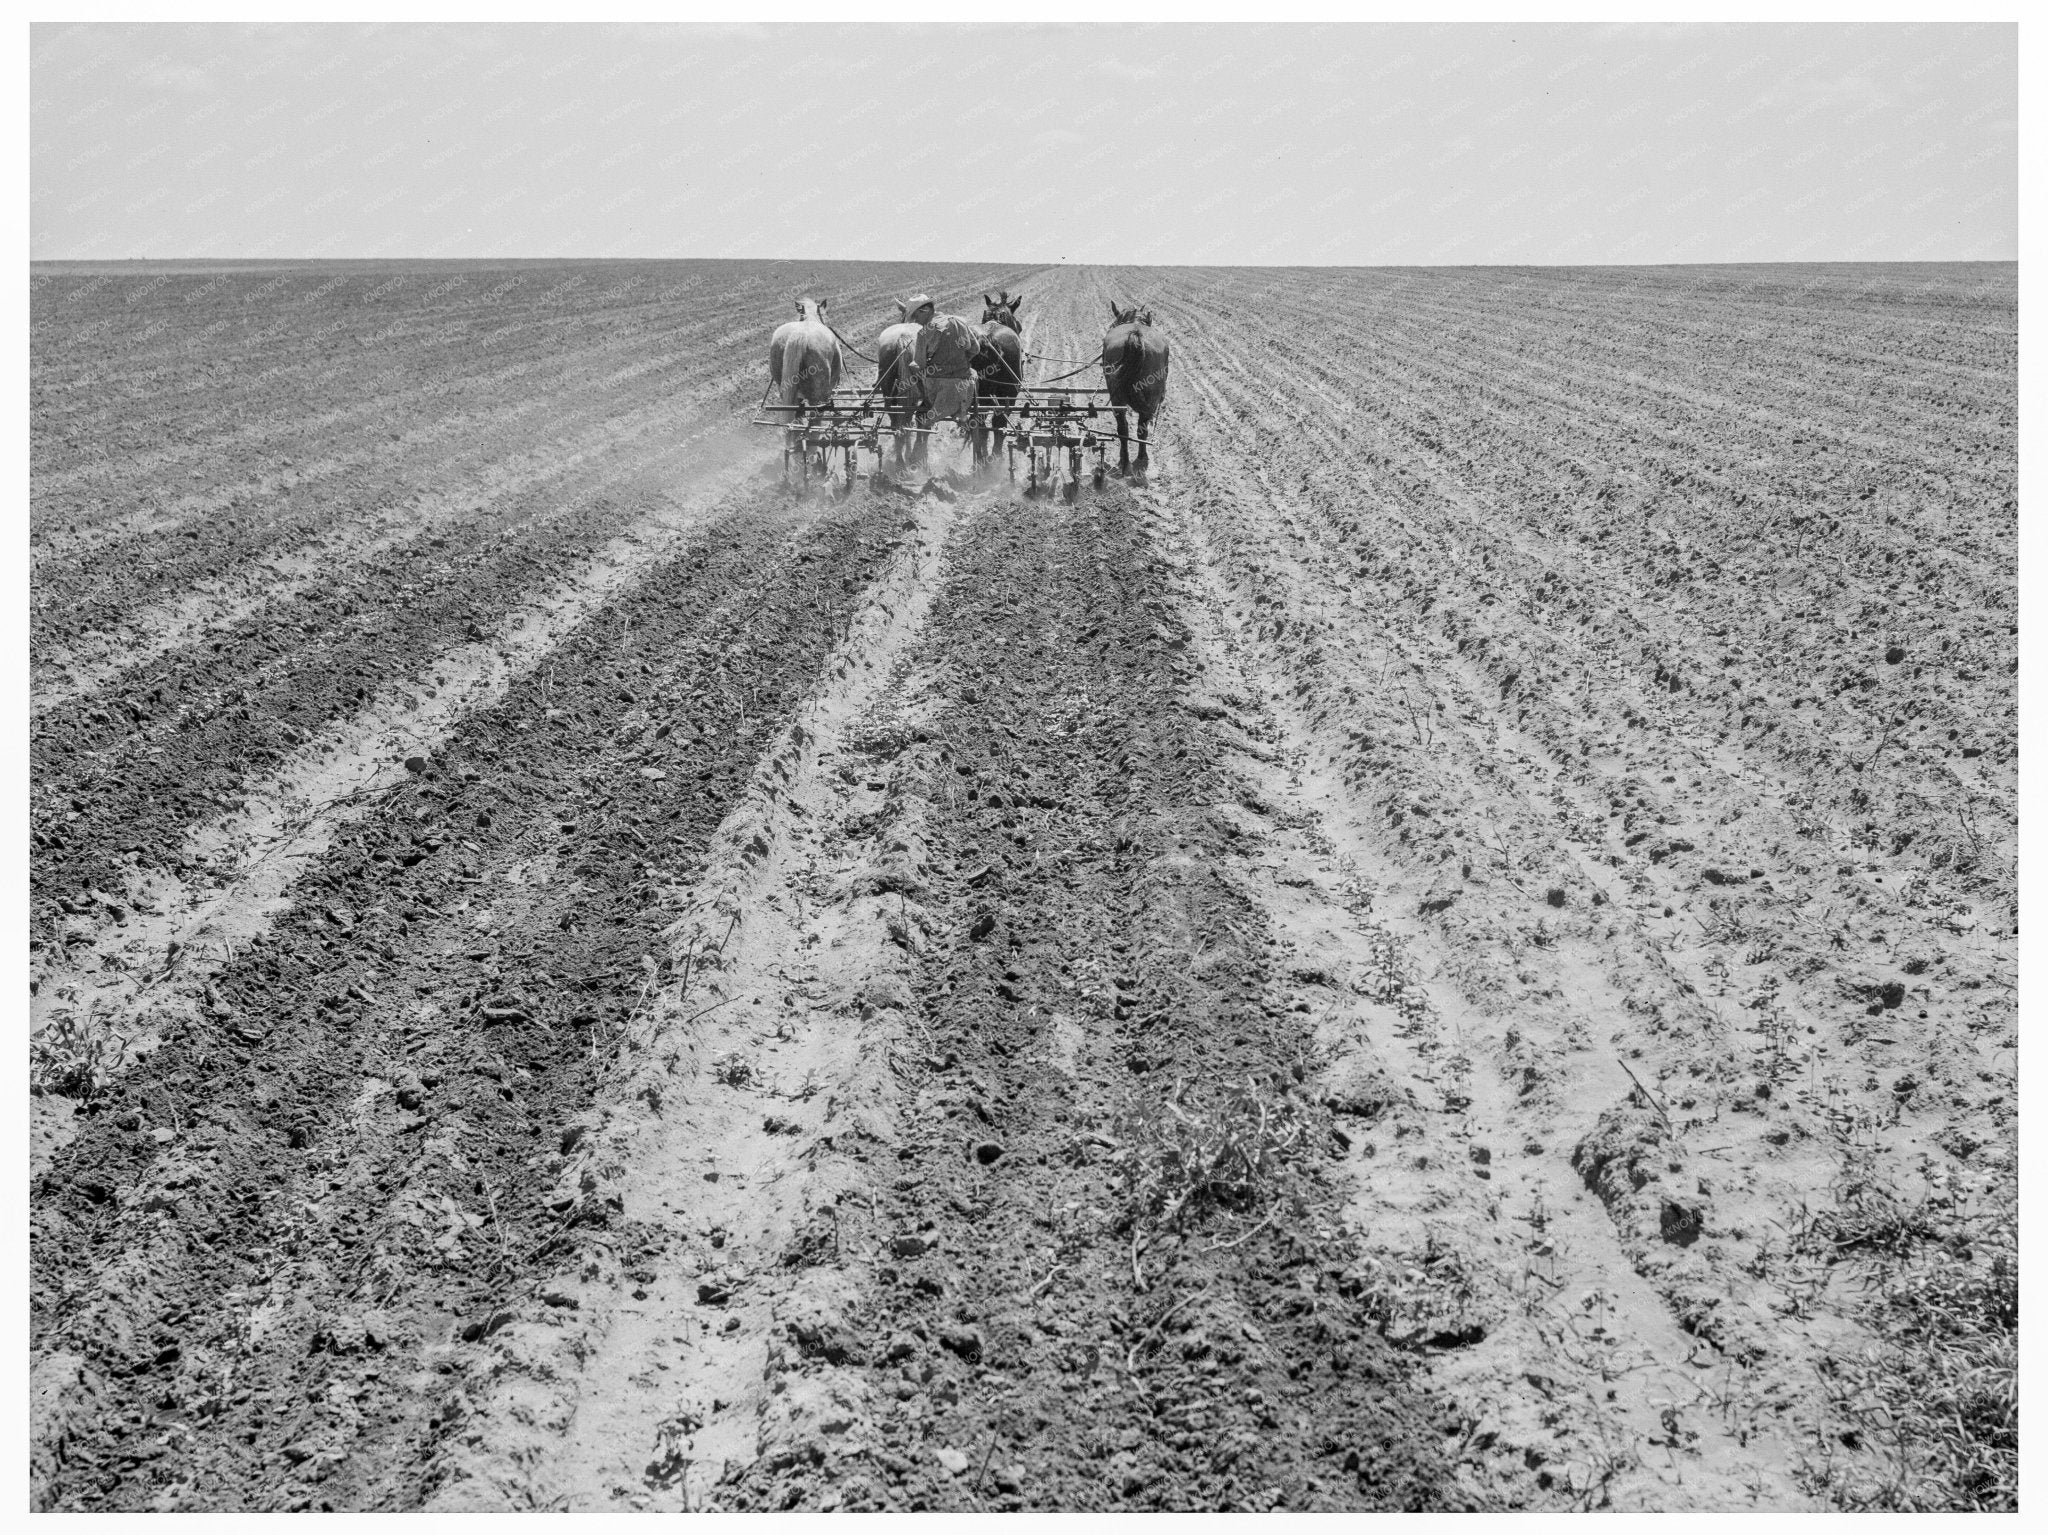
(35, 261)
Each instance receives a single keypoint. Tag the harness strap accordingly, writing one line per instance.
(863, 356)
(1054, 380)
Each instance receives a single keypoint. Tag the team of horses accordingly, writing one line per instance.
(945, 367)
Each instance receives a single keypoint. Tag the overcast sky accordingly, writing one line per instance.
(1365, 145)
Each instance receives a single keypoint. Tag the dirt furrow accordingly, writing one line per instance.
(1442, 397)
(489, 481)
(1792, 744)
(555, 366)
(120, 779)
(1837, 394)
(1484, 1260)
(1457, 948)
(1596, 405)
(1794, 747)
(214, 535)
(573, 383)
(1445, 1049)
(1052, 1327)
(1481, 709)
(217, 400)
(720, 1152)
(139, 963)
(317, 1188)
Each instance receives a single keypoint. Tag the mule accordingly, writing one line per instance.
(999, 366)
(1134, 359)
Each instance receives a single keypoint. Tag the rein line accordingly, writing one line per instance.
(1056, 378)
(863, 356)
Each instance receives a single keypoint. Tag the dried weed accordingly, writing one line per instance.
(1929, 1413)
(73, 1054)
(1197, 1153)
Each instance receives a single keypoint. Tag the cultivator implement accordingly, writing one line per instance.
(1054, 429)
(813, 434)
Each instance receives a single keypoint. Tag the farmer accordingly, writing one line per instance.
(941, 361)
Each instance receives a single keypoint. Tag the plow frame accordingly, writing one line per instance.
(1054, 427)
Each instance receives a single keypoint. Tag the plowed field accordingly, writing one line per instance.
(1457, 948)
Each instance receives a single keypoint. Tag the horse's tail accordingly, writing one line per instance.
(821, 362)
(894, 380)
(1126, 376)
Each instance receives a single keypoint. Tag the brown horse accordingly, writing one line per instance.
(999, 367)
(1134, 358)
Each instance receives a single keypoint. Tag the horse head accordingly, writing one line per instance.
(1003, 309)
(812, 308)
(1122, 314)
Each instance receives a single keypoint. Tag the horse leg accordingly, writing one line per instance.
(1123, 444)
(1144, 437)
